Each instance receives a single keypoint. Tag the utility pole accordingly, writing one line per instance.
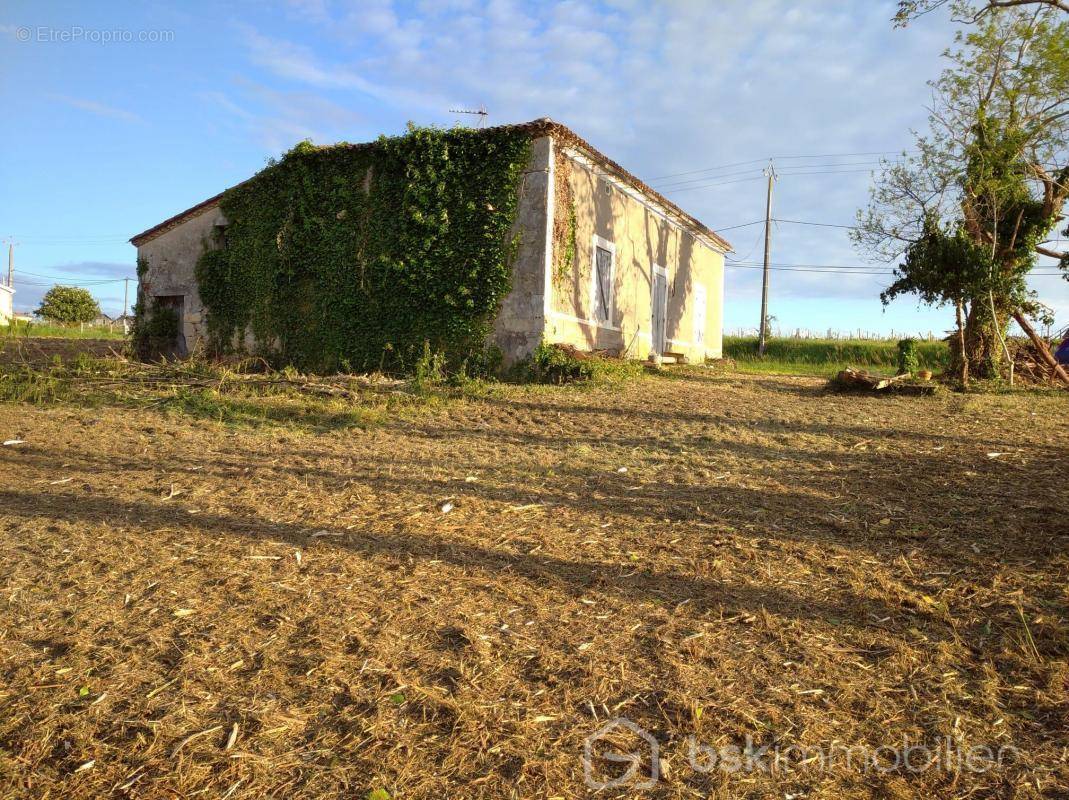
(10, 263)
(770, 172)
(125, 305)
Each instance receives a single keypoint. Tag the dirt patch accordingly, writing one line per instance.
(190, 607)
(41, 350)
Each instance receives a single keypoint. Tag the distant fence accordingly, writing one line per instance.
(112, 329)
(837, 335)
(101, 324)
(856, 352)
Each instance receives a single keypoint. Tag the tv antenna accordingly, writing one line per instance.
(479, 112)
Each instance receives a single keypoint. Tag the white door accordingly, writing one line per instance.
(700, 301)
(659, 304)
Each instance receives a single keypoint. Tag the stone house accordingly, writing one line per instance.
(644, 276)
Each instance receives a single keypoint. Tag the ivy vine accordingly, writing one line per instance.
(565, 225)
(363, 255)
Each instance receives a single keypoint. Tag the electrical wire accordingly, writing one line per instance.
(846, 269)
(816, 224)
(687, 188)
(782, 158)
(724, 183)
(743, 225)
(61, 278)
(810, 169)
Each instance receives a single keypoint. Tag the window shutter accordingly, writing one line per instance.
(603, 285)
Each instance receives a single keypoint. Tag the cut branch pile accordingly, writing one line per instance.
(1032, 367)
(856, 380)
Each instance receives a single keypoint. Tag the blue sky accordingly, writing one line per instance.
(119, 115)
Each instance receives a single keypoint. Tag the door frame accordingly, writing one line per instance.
(659, 270)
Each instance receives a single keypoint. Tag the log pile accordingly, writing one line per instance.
(858, 380)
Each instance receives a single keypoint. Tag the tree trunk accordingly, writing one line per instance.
(962, 367)
(983, 346)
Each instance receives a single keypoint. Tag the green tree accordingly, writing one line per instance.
(69, 305)
(965, 11)
(969, 212)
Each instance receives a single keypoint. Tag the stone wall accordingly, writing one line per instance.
(172, 258)
(521, 319)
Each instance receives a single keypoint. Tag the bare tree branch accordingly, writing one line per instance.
(1044, 251)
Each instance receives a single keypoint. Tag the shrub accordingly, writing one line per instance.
(908, 358)
(155, 331)
(430, 369)
(563, 363)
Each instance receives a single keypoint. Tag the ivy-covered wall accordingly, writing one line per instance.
(352, 256)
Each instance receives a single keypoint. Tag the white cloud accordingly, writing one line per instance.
(299, 64)
(100, 109)
(281, 119)
(662, 88)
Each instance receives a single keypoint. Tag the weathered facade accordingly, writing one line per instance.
(604, 262)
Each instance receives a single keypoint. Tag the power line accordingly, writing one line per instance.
(722, 183)
(688, 188)
(845, 269)
(817, 224)
(800, 169)
(673, 184)
(77, 244)
(848, 155)
(98, 285)
(834, 171)
(63, 278)
(793, 269)
(756, 241)
(75, 237)
(770, 158)
(743, 225)
(710, 169)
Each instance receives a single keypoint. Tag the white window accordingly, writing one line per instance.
(603, 279)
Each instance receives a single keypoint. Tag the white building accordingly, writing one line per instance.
(7, 294)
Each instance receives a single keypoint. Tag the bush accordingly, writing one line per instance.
(69, 305)
(563, 363)
(155, 332)
(430, 369)
(908, 358)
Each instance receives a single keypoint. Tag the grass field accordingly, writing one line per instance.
(827, 356)
(20, 329)
(443, 596)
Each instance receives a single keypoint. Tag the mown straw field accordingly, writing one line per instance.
(446, 602)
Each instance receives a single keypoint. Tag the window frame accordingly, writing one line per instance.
(610, 310)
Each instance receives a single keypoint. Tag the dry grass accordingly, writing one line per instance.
(191, 608)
